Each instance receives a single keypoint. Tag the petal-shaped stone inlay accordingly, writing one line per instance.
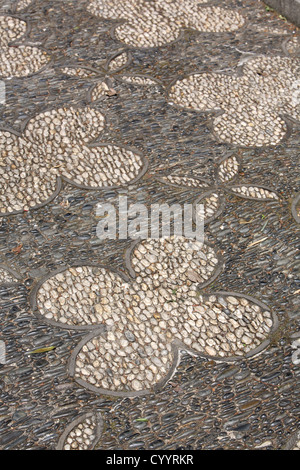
(82, 434)
(250, 105)
(57, 145)
(296, 208)
(151, 24)
(228, 169)
(213, 204)
(18, 60)
(249, 191)
(139, 325)
(189, 181)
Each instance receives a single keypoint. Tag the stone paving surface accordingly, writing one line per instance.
(157, 343)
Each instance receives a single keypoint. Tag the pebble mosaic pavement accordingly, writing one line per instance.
(155, 343)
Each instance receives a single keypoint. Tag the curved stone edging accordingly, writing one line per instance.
(74, 424)
(296, 208)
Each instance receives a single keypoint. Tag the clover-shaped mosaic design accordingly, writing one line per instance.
(212, 192)
(252, 103)
(18, 60)
(137, 325)
(59, 145)
(157, 22)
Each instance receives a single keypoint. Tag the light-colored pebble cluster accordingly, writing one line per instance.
(21, 4)
(253, 192)
(76, 296)
(5, 277)
(139, 80)
(18, 61)
(78, 72)
(232, 325)
(55, 143)
(82, 436)
(297, 446)
(293, 45)
(118, 62)
(251, 105)
(155, 23)
(99, 90)
(145, 316)
(228, 169)
(184, 181)
(211, 205)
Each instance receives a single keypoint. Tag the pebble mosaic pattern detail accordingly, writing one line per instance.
(213, 198)
(251, 105)
(155, 23)
(205, 365)
(54, 145)
(82, 434)
(147, 319)
(5, 277)
(18, 60)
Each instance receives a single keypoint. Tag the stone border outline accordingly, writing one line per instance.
(25, 37)
(38, 284)
(219, 182)
(249, 185)
(184, 30)
(216, 112)
(127, 260)
(177, 347)
(221, 207)
(60, 179)
(295, 203)
(78, 420)
(113, 57)
(18, 277)
(185, 187)
(130, 47)
(216, 273)
(56, 192)
(120, 78)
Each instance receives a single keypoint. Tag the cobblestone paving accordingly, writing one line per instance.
(155, 343)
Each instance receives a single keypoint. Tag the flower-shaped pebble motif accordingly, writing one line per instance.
(251, 105)
(139, 325)
(18, 60)
(58, 145)
(157, 22)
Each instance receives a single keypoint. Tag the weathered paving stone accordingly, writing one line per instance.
(93, 110)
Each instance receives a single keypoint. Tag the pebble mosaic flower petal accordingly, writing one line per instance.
(18, 60)
(212, 199)
(250, 106)
(57, 145)
(138, 325)
(296, 208)
(82, 434)
(155, 23)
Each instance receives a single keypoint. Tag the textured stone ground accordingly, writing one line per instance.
(155, 344)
